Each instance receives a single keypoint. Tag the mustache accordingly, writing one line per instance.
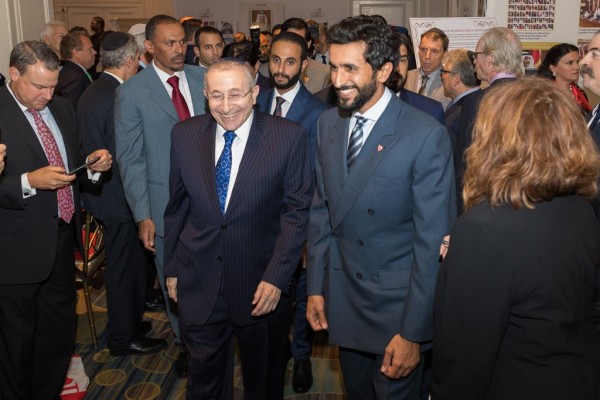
(178, 57)
(280, 74)
(346, 87)
(586, 70)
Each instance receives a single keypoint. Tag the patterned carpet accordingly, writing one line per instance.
(153, 376)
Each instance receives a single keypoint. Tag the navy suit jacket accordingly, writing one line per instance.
(261, 235)
(95, 117)
(29, 227)
(305, 110)
(72, 82)
(452, 116)
(375, 232)
(425, 104)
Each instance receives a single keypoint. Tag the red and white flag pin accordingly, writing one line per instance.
(379, 147)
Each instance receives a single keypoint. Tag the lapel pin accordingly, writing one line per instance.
(379, 147)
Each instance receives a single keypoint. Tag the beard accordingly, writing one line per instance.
(363, 95)
(291, 80)
(396, 82)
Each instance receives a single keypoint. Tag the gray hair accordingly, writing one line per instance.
(30, 53)
(48, 27)
(504, 45)
(118, 57)
(227, 64)
(463, 67)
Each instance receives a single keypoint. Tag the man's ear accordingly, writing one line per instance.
(384, 72)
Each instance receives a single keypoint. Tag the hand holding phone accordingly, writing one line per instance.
(82, 166)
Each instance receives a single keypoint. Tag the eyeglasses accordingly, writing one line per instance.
(219, 97)
(445, 71)
(473, 55)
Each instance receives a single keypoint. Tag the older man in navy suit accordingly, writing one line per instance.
(383, 203)
(240, 188)
(291, 100)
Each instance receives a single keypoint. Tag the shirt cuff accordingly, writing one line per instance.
(26, 188)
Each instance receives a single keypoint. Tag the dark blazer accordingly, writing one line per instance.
(31, 223)
(305, 110)
(425, 104)
(375, 233)
(263, 231)
(452, 117)
(96, 119)
(263, 83)
(514, 302)
(465, 131)
(72, 81)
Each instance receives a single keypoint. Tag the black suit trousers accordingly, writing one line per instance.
(37, 329)
(125, 280)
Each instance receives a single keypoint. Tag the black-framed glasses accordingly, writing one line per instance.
(445, 71)
(473, 54)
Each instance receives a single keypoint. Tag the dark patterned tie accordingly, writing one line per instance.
(278, 111)
(64, 196)
(356, 140)
(595, 118)
(178, 100)
(223, 170)
(424, 80)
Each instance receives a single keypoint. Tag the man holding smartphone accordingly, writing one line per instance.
(39, 223)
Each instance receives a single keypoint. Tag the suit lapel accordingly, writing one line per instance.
(297, 106)
(254, 153)
(196, 84)
(11, 113)
(67, 132)
(381, 139)
(205, 148)
(157, 93)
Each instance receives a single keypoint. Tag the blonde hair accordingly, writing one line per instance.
(530, 144)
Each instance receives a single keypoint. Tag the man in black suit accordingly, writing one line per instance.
(230, 253)
(460, 82)
(78, 53)
(126, 261)
(497, 59)
(290, 99)
(39, 223)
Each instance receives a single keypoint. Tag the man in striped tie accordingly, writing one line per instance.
(384, 201)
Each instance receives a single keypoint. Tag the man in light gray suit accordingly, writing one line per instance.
(383, 203)
(147, 106)
(427, 79)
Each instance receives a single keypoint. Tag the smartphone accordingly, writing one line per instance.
(82, 166)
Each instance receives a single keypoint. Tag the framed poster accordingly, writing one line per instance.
(262, 18)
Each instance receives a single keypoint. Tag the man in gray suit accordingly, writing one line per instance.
(427, 80)
(384, 201)
(147, 106)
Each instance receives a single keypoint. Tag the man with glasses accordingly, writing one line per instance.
(235, 225)
(426, 80)
(496, 59)
(460, 82)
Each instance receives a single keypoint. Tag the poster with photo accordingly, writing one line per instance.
(262, 18)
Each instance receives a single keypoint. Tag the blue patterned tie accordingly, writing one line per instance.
(223, 170)
(356, 140)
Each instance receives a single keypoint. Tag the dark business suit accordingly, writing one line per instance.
(595, 130)
(465, 131)
(263, 83)
(514, 302)
(304, 110)
(219, 260)
(72, 81)
(425, 104)
(375, 232)
(37, 275)
(452, 117)
(126, 261)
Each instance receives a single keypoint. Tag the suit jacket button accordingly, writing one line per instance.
(223, 227)
(359, 242)
(358, 275)
(219, 259)
(371, 211)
